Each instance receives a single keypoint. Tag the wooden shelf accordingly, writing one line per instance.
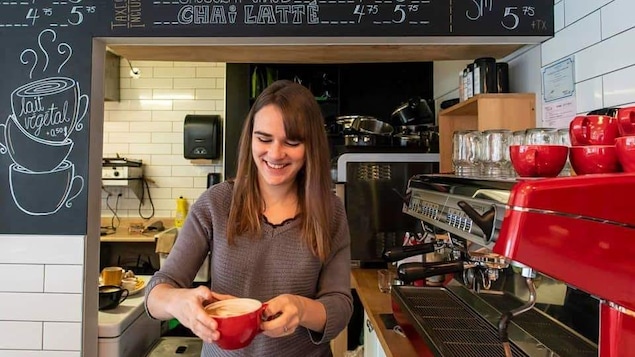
(513, 111)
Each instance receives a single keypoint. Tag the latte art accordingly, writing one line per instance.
(228, 310)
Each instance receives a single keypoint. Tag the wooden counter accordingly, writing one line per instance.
(124, 235)
(376, 303)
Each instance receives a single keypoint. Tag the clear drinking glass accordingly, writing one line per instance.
(562, 138)
(541, 136)
(495, 153)
(466, 152)
(385, 280)
(518, 137)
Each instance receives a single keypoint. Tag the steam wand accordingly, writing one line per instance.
(503, 323)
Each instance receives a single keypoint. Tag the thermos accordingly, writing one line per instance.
(181, 212)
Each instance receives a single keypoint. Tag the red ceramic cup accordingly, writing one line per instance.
(626, 121)
(593, 130)
(625, 147)
(538, 160)
(238, 321)
(594, 159)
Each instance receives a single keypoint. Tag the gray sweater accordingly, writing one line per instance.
(263, 268)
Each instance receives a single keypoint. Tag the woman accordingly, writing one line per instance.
(276, 234)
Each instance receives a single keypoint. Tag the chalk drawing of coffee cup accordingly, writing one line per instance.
(44, 193)
(30, 152)
(50, 108)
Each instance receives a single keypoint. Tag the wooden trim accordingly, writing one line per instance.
(312, 53)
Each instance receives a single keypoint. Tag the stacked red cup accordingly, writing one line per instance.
(593, 144)
(625, 144)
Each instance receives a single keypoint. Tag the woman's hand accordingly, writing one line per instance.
(187, 306)
(283, 315)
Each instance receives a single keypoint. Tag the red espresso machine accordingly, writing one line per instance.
(580, 230)
(535, 267)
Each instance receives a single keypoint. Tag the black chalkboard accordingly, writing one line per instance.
(46, 77)
(44, 121)
(334, 18)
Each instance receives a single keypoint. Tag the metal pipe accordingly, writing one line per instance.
(505, 319)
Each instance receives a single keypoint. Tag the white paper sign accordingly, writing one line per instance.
(558, 101)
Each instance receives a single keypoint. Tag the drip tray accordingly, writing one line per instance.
(450, 328)
(453, 321)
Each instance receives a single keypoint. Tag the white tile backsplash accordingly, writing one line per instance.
(9, 353)
(617, 17)
(607, 56)
(20, 335)
(128, 137)
(64, 279)
(589, 94)
(154, 108)
(21, 278)
(558, 16)
(577, 9)
(572, 39)
(32, 249)
(150, 149)
(62, 336)
(41, 307)
(174, 72)
(166, 138)
(619, 87)
(195, 83)
(600, 34)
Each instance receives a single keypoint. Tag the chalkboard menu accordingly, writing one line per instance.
(295, 18)
(46, 77)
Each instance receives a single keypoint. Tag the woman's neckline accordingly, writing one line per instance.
(284, 222)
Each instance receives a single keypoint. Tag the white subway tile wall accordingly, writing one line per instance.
(62, 336)
(41, 283)
(599, 34)
(147, 124)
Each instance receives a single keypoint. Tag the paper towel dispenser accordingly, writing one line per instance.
(201, 136)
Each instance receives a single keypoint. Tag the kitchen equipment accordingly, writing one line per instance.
(345, 122)
(414, 111)
(370, 185)
(127, 331)
(591, 246)
(502, 77)
(370, 125)
(202, 136)
(361, 139)
(523, 265)
(485, 75)
(119, 171)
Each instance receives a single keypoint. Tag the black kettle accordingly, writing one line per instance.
(415, 111)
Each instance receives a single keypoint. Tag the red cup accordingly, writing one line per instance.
(238, 321)
(593, 130)
(626, 121)
(538, 160)
(625, 147)
(594, 159)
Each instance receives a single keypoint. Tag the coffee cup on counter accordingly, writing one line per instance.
(593, 130)
(238, 321)
(110, 296)
(538, 160)
(626, 121)
(112, 275)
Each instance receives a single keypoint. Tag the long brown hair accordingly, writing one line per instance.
(302, 122)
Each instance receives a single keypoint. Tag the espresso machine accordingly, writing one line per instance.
(533, 267)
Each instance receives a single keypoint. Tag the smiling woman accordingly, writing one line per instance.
(275, 234)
